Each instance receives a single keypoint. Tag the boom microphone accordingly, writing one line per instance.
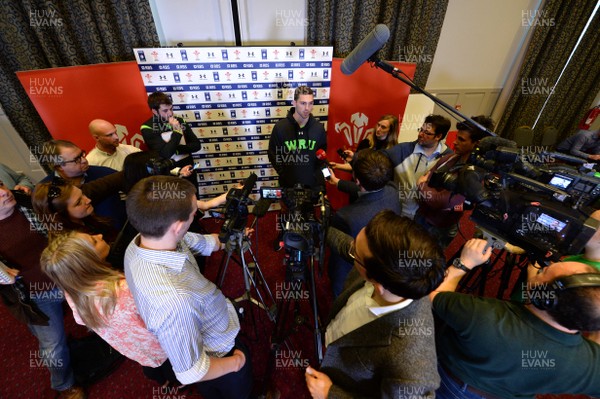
(492, 142)
(365, 49)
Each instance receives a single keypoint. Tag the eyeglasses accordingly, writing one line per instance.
(352, 254)
(54, 191)
(425, 132)
(78, 159)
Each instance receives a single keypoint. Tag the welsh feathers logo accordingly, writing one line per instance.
(356, 130)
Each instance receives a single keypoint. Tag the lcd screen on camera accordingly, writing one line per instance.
(270, 193)
(550, 222)
(560, 181)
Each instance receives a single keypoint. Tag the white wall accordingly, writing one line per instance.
(193, 22)
(478, 43)
(478, 57)
(14, 152)
(210, 22)
(273, 22)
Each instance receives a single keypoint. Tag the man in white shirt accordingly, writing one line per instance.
(193, 321)
(108, 151)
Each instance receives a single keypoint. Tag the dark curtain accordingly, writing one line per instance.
(414, 25)
(557, 29)
(37, 34)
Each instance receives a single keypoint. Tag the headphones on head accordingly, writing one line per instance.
(545, 296)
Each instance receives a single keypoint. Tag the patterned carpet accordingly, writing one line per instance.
(20, 377)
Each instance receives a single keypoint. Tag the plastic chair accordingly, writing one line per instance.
(549, 136)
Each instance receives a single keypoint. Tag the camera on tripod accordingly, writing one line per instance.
(543, 208)
(236, 209)
(299, 226)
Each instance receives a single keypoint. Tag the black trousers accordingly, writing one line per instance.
(162, 374)
(233, 385)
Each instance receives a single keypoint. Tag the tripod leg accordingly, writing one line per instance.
(315, 311)
(277, 339)
(263, 282)
(223, 269)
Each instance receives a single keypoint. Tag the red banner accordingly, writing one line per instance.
(356, 103)
(67, 99)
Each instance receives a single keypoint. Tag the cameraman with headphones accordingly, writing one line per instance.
(489, 348)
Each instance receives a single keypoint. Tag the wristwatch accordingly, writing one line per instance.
(459, 265)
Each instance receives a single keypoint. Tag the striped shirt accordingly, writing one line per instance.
(190, 316)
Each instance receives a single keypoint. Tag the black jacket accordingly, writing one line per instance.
(292, 151)
(152, 130)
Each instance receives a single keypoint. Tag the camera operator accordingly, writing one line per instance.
(380, 341)
(489, 348)
(295, 141)
(373, 173)
(440, 210)
(193, 321)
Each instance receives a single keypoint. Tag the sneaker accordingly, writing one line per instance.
(75, 392)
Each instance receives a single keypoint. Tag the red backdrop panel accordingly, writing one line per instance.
(356, 103)
(67, 99)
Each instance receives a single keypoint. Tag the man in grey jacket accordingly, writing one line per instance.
(380, 341)
(584, 144)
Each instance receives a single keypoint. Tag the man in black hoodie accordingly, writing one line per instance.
(295, 141)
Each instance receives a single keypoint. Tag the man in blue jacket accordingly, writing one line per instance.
(412, 159)
(373, 173)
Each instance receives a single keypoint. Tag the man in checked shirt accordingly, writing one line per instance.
(194, 322)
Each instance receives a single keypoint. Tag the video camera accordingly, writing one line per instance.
(301, 229)
(542, 208)
(236, 209)
(159, 166)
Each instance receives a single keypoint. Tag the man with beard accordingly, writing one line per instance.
(295, 141)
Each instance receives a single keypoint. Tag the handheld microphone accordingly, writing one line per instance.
(365, 49)
(248, 185)
(322, 156)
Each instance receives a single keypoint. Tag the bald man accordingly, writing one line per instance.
(489, 348)
(108, 151)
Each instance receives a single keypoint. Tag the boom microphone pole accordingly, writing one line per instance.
(367, 50)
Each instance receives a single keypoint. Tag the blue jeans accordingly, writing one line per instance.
(54, 351)
(450, 389)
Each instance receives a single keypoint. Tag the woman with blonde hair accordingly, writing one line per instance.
(385, 136)
(100, 299)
